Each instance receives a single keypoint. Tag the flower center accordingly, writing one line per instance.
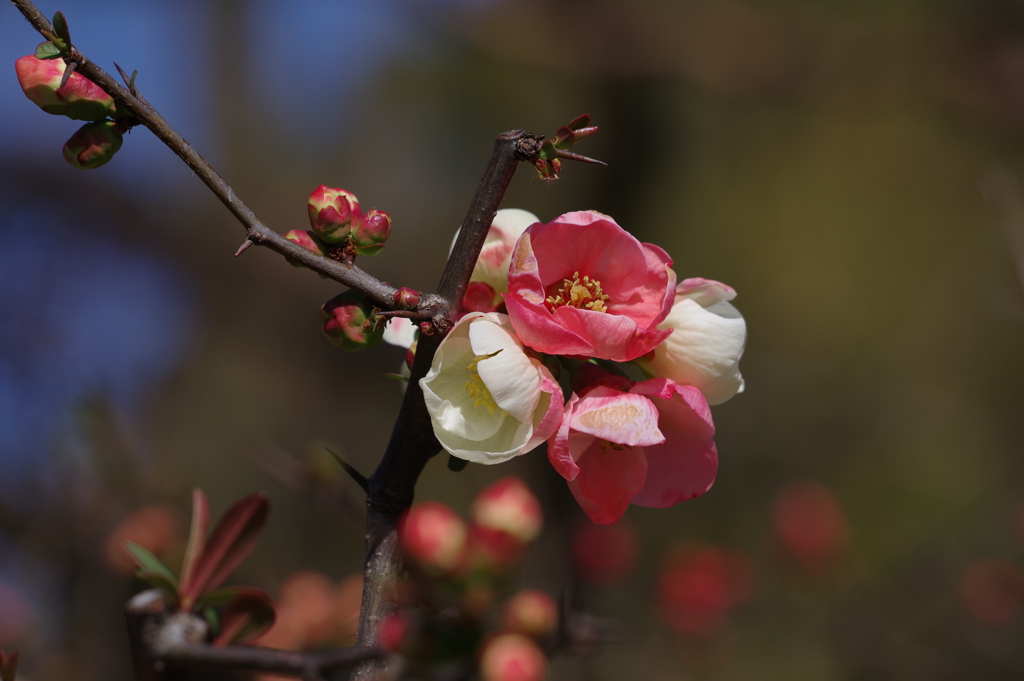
(583, 294)
(606, 445)
(475, 385)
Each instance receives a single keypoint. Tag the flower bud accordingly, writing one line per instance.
(332, 212)
(348, 322)
(93, 145)
(371, 231)
(80, 98)
(512, 657)
(307, 240)
(530, 612)
(394, 631)
(433, 536)
(406, 298)
(479, 297)
(509, 506)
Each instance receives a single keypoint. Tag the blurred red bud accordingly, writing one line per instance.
(433, 537)
(332, 212)
(992, 590)
(512, 657)
(8, 665)
(155, 528)
(530, 612)
(811, 525)
(93, 145)
(17, 615)
(479, 298)
(80, 98)
(393, 631)
(697, 588)
(509, 506)
(348, 322)
(604, 555)
(406, 298)
(371, 231)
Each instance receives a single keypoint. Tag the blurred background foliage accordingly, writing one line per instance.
(849, 167)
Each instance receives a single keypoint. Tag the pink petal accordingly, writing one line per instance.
(685, 465)
(552, 418)
(617, 417)
(600, 250)
(558, 446)
(609, 479)
(705, 292)
(651, 303)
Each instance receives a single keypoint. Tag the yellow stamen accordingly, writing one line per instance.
(585, 294)
(475, 385)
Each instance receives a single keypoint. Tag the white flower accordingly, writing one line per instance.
(488, 400)
(400, 331)
(705, 347)
(496, 255)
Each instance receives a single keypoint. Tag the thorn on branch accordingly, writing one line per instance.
(350, 469)
(573, 156)
(69, 68)
(244, 247)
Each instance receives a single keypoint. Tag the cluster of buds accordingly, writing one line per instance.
(446, 609)
(56, 88)
(338, 221)
(349, 322)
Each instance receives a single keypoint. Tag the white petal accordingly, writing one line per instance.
(704, 350)
(451, 408)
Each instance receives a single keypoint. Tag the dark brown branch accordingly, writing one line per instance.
(256, 231)
(162, 641)
(392, 486)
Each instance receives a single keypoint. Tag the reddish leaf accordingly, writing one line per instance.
(582, 121)
(196, 535)
(246, 616)
(8, 665)
(231, 541)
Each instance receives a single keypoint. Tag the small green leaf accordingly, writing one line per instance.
(60, 28)
(211, 615)
(131, 83)
(456, 464)
(148, 563)
(398, 377)
(47, 50)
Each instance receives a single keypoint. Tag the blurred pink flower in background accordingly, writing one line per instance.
(157, 528)
(313, 612)
(697, 588)
(991, 591)
(604, 555)
(582, 285)
(811, 526)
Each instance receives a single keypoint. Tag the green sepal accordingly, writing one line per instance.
(212, 618)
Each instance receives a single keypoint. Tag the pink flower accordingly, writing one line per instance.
(622, 442)
(581, 285)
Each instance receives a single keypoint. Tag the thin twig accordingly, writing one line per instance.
(256, 231)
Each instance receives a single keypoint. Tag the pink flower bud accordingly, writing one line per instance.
(697, 588)
(406, 298)
(348, 321)
(80, 98)
(433, 536)
(307, 240)
(530, 612)
(332, 212)
(992, 591)
(479, 297)
(509, 506)
(371, 231)
(393, 631)
(93, 145)
(512, 657)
